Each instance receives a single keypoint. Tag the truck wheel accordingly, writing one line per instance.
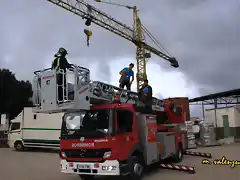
(86, 177)
(18, 146)
(136, 168)
(179, 155)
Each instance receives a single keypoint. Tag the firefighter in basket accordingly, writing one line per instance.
(60, 64)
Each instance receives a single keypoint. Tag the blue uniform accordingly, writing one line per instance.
(130, 74)
(145, 90)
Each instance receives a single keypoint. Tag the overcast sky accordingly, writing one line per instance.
(204, 35)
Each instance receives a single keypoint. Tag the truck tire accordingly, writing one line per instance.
(86, 177)
(179, 154)
(136, 168)
(18, 146)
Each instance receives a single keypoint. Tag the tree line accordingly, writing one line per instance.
(14, 94)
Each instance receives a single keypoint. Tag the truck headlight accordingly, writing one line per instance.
(62, 154)
(107, 154)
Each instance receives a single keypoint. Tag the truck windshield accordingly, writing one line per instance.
(93, 123)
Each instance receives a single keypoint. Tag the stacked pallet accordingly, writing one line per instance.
(207, 134)
(190, 135)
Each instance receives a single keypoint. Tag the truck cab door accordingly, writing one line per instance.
(125, 136)
(14, 133)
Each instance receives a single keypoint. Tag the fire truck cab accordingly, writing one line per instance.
(101, 135)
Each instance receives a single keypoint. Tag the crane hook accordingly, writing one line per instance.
(88, 35)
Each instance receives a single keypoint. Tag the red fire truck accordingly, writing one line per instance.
(106, 130)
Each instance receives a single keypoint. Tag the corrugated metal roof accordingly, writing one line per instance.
(216, 95)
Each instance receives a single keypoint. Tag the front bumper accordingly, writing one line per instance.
(109, 167)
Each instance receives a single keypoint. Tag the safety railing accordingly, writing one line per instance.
(71, 81)
(36, 85)
(67, 83)
(106, 91)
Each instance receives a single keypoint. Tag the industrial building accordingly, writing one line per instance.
(226, 119)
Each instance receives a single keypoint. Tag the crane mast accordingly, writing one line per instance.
(140, 52)
(135, 35)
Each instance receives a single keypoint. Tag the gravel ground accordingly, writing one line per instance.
(45, 165)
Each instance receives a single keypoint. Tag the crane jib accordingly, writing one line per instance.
(136, 35)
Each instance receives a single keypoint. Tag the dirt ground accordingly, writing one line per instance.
(45, 165)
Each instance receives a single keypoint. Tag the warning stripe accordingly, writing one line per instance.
(177, 167)
(198, 154)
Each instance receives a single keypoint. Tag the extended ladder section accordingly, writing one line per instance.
(59, 91)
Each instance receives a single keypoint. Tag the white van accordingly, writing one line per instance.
(38, 130)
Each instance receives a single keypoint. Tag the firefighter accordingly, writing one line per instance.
(145, 95)
(126, 74)
(60, 64)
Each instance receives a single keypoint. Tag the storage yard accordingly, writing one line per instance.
(30, 165)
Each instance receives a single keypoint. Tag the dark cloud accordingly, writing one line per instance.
(205, 40)
(203, 35)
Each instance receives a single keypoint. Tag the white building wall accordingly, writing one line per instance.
(237, 116)
(230, 111)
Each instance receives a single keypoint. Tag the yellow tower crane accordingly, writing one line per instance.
(135, 34)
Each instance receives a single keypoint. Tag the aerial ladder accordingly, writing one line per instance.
(79, 93)
(135, 35)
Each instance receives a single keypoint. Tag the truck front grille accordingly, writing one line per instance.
(85, 153)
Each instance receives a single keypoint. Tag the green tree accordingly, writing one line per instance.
(14, 94)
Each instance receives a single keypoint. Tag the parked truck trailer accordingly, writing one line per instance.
(37, 130)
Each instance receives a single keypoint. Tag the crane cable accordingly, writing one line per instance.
(112, 3)
(155, 41)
